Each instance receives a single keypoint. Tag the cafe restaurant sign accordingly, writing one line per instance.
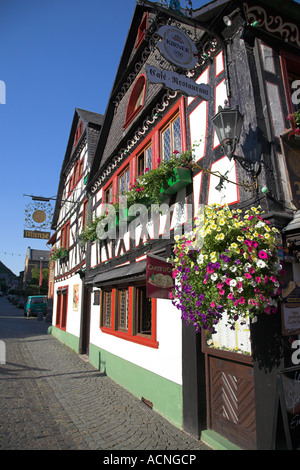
(177, 47)
(177, 82)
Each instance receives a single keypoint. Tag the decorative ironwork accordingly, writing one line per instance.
(38, 215)
(289, 32)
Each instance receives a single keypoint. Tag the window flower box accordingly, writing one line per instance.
(59, 253)
(180, 178)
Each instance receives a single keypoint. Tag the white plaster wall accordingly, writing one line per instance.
(73, 316)
(164, 361)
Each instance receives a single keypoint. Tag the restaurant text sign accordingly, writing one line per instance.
(36, 234)
(177, 82)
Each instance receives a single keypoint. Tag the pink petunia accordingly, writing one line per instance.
(175, 272)
(248, 276)
(262, 254)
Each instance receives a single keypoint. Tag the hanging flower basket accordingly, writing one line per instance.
(295, 123)
(228, 263)
(181, 177)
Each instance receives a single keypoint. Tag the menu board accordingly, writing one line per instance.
(289, 394)
(226, 339)
(290, 308)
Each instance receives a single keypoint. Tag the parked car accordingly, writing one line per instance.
(36, 304)
(21, 303)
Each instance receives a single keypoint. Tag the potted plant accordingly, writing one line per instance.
(58, 253)
(227, 264)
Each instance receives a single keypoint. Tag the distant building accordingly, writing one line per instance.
(39, 258)
(7, 276)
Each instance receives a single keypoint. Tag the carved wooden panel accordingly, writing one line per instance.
(232, 401)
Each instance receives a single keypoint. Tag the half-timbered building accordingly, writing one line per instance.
(68, 255)
(177, 68)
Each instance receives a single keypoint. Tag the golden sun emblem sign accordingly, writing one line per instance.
(39, 216)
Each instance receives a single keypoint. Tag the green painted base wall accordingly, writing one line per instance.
(70, 340)
(165, 395)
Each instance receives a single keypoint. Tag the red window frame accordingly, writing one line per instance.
(131, 334)
(76, 176)
(290, 63)
(65, 236)
(84, 213)
(78, 133)
(136, 100)
(142, 30)
(62, 307)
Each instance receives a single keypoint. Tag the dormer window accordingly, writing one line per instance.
(142, 30)
(136, 100)
(78, 133)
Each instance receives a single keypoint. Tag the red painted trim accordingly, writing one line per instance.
(133, 339)
(129, 335)
(141, 30)
(62, 276)
(61, 315)
(284, 57)
(139, 85)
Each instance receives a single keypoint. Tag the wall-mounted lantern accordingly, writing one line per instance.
(228, 125)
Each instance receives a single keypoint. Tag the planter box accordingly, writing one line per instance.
(181, 177)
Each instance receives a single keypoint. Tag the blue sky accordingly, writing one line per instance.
(55, 55)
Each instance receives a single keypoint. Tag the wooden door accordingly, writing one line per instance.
(231, 409)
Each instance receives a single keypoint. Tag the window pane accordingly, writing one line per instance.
(144, 312)
(124, 182)
(123, 309)
(166, 144)
(149, 157)
(107, 308)
(177, 135)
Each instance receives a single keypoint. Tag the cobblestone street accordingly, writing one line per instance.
(52, 399)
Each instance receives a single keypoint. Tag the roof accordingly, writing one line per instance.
(90, 117)
(36, 255)
(93, 123)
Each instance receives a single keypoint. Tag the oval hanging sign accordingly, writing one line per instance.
(177, 47)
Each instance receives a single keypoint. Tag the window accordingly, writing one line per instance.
(127, 313)
(78, 133)
(143, 312)
(61, 307)
(122, 309)
(136, 100)
(76, 176)
(106, 307)
(108, 195)
(84, 213)
(144, 160)
(65, 236)
(123, 181)
(171, 138)
(142, 30)
(291, 67)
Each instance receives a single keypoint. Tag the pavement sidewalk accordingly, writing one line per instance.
(51, 399)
